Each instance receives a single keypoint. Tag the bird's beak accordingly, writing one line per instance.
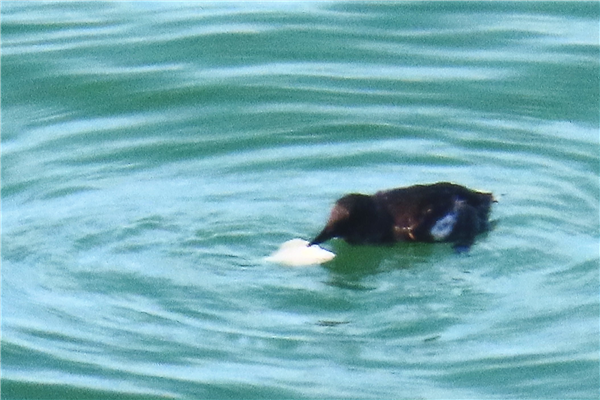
(338, 214)
(324, 236)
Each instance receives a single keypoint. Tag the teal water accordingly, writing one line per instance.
(154, 153)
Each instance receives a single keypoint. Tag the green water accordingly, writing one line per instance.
(154, 153)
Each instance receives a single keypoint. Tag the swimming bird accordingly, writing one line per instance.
(442, 211)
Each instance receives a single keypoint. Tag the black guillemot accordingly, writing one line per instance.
(420, 213)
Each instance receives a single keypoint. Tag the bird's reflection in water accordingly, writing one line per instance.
(354, 263)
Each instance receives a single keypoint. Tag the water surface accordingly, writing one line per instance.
(154, 153)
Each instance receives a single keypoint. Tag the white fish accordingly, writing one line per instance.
(297, 252)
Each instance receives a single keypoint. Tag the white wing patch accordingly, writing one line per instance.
(443, 228)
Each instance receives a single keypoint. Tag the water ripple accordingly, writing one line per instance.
(155, 153)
